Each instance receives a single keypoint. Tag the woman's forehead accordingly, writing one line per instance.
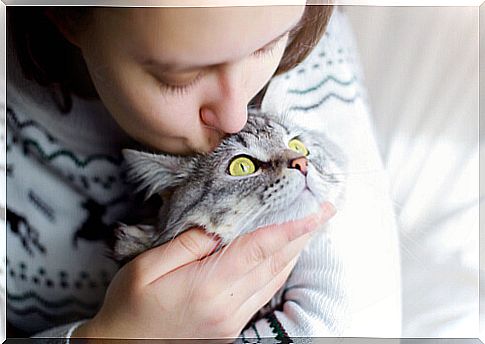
(181, 37)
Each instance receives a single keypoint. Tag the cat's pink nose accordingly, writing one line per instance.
(301, 164)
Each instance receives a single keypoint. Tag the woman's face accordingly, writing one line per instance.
(178, 79)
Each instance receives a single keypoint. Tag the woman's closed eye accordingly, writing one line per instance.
(266, 50)
(178, 85)
(270, 47)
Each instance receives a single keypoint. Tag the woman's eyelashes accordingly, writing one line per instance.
(266, 50)
(269, 48)
(178, 89)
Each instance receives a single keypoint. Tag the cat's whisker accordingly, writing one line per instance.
(331, 179)
(285, 115)
(406, 241)
(169, 244)
(199, 271)
(364, 172)
(194, 282)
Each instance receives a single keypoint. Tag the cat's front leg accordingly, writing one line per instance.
(133, 240)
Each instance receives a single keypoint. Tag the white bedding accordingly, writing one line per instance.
(421, 66)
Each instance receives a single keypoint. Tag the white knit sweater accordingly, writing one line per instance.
(64, 178)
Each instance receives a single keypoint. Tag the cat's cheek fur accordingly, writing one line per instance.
(239, 219)
(228, 222)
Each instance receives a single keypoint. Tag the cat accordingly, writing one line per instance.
(271, 172)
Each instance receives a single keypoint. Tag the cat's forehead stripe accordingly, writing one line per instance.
(240, 139)
(258, 125)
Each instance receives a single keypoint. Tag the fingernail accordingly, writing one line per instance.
(311, 225)
(327, 211)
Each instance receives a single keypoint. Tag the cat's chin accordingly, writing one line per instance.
(305, 204)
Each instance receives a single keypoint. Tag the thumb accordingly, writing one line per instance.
(190, 246)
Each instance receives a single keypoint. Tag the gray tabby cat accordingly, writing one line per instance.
(270, 172)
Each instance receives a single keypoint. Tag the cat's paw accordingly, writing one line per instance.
(132, 240)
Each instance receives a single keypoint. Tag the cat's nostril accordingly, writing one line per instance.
(301, 164)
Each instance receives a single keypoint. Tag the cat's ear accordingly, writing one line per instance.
(155, 173)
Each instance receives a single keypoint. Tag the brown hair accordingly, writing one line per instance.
(305, 36)
(48, 58)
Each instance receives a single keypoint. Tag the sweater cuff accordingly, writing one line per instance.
(60, 334)
(73, 327)
(267, 327)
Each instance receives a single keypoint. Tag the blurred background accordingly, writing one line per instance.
(421, 66)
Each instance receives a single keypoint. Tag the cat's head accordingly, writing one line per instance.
(271, 172)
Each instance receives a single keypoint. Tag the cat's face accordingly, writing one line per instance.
(270, 172)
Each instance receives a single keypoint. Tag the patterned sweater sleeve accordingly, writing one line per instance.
(65, 190)
(314, 299)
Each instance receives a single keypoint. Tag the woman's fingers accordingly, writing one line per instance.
(266, 275)
(266, 251)
(188, 247)
(230, 264)
(252, 249)
(254, 303)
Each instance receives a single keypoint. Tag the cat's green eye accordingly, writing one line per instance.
(298, 146)
(241, 166)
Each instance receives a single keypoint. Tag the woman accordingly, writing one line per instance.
(176, 80)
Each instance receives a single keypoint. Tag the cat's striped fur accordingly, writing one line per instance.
(199, 191)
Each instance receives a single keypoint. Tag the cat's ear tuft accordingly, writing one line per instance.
(155, 173)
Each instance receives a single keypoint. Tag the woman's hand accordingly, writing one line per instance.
(180, 290)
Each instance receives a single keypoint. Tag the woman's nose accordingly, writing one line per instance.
(226, 121)
(226, 108)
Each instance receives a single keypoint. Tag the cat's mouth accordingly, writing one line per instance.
(307, 189)
(305, 202)
(305, 194)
